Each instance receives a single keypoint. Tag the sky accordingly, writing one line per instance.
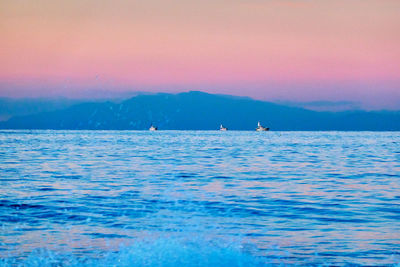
(294, 50)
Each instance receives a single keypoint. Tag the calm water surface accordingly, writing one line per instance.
(131, 198)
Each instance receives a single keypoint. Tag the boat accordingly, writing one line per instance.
(222, 128)
(153, 128)
(261, 128)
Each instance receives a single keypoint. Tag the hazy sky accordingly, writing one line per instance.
(268, 49)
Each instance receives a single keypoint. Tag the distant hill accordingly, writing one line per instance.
(335, 106)
(200, 111)
(10, 107)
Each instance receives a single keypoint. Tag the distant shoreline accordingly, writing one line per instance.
(171, 130)
(201, 111)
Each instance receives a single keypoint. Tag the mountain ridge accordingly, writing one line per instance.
(197, 110)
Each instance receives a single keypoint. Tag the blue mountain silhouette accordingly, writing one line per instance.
(200, 111)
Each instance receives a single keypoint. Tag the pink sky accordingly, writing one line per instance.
(296, 50)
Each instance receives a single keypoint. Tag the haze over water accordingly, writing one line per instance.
(199, 198)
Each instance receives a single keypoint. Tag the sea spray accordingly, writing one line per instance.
(161, 251)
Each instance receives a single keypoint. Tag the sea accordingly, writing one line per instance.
(199, 198)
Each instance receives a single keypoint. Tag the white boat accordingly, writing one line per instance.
(261, 128)
(222, 128)
(153, 128)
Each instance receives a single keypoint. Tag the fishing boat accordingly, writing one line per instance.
(222, 128)
(261, 128)
(153, 128)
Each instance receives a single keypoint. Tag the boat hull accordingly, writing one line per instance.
(262, 129)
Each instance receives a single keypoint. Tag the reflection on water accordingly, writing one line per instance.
(199, 198)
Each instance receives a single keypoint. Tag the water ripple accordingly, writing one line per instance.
(85, 198)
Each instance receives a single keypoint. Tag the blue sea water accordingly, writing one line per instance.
(199, 198)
